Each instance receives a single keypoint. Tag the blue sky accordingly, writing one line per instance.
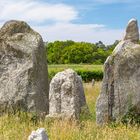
(107, 12)
(79, 20)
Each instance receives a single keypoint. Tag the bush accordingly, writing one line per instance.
(87, 75)
(131, 117)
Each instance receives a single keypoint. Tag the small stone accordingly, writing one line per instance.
(93, 82)
(39, 134)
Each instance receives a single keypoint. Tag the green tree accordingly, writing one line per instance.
(63, 52)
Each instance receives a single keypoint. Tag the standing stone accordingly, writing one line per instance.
(121, 83)
(23, 69)
(93, 82)
(132, 31)
(67, 98)
(39, 134)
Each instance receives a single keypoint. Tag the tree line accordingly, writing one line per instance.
(70, 52)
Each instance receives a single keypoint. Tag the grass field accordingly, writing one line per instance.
(75, 67)
(18, 127)
(87, 72)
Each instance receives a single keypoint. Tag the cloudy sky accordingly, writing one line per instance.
(78, 20)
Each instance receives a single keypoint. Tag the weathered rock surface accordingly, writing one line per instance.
(23, 69)
(132, 31)
(39, 134)
(121, 82)
(66, 96)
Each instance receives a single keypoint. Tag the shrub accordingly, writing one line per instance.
(131, 117)
(87, 75)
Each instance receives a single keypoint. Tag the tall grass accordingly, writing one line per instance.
(19, 126)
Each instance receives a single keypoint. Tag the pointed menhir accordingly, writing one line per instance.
(132, 31)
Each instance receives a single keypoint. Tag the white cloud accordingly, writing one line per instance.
(80, 32)
(36, 11)
(1, 23)
(113, 1)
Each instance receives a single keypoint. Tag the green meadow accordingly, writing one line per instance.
(20, 125)
(86, 71)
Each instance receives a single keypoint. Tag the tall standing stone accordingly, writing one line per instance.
(121, 83)
(23, 69)
(66, 96)
(132, 31)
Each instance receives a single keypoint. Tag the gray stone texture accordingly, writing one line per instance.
(132, 31)
(121, 82)
(39, 134)
(66, 96)
(23, 69)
